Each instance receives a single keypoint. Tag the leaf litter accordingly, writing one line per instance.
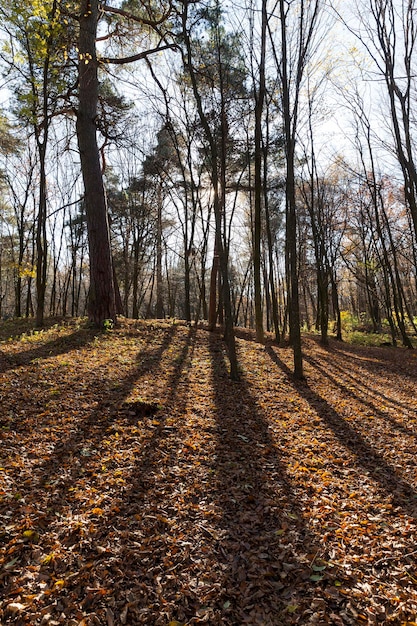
(140, 485)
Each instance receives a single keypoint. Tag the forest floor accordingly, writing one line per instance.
(140, 485)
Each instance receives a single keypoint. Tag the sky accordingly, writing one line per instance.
(349, 67)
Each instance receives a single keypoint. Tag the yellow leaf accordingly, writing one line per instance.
(97, 511)
(31, 535)
(48, 558)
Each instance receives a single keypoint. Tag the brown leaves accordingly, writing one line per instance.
(140, 485)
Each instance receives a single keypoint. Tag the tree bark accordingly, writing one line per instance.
(101, 302)
(274, 299)
(159, 294)
(257, 221)
(290, 120)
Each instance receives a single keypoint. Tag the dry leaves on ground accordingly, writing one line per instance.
(140, 485)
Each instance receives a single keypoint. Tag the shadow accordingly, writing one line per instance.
(171, 495)
(387, 370)
(396, 360)
(60, 345)
(265, 548)
(108, 481)
(249, 334)
(20, 327)
(89, 432)
(74, 458)
(150, 496)
(359, 398)
(402, 494)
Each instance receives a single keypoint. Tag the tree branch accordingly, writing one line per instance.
(136, 18)
(137, 57)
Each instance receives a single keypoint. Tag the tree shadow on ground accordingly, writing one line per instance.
(361, 370)
(266, 547)
(151, 495)
(402, 494)
(128, 517)
(88, 433)
(63, 344)
(74, 459)
(365, 389)
(378, 359)
(15, 328)
(150, 523)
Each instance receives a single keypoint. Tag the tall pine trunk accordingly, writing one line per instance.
(101, 304)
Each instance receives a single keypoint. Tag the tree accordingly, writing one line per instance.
(390, 39)
(9, 142)
(259, 96)
(211, 66)
(38, 32)
(156, 168)
(298, 22)
(11, 149)
(102, 298)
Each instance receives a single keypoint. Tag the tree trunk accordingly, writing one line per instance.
(291, 235)
(291, 222)
(187, 285)
(274, 299)
(257, 221)
(219, 189)
(159, 295)
(212, 312)
(336, 308)
(41, 238)
(101, 301)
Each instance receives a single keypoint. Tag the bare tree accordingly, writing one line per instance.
(298, 21)
(389, 34)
